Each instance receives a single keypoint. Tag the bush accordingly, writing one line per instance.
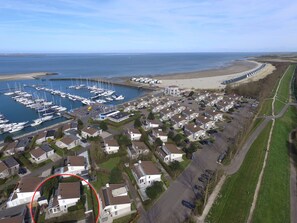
(158, 142)
(177, 138)
(137, 123)
(103, 126)
(171, 134)
(151, 116)
(155, 190)
(115, 176)
(59, 133)
(8, 139)
(80, 125)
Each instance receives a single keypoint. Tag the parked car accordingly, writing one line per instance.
(202, 179)
(221, 157)
(22, 170)
(210, 172)
(188, 204)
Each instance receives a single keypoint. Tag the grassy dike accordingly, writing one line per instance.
(273, 204)
(236, 196)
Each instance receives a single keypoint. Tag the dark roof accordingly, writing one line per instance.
(111, 142)
(3, 167)
(23, 143)
(10, 162)
(29, 184)
(46, 148)
(110, 198)
(14, 214)
(90, 130)
(69, 190)
(145, 168)
(171, 148)
(68, 139)
(50, 133)
(38, 152)
(76, 160)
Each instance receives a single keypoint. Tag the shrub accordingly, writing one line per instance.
(155, 190)
(103, 126)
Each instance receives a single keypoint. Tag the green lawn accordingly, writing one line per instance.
(273, 202)
(266, 108)
(102, 180)
(284, 88)
(234, 201)
(283, 92)
(110, 164)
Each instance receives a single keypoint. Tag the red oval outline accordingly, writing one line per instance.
(59, 175)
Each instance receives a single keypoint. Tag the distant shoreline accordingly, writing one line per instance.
(25, 76)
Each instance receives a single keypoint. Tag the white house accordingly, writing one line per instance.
(190, 113)
(137, 148)
(166, 113)
(90, 132)
(214, 115)
(8, 167)
(151, 124)
(170, 152)
(157, 107)
(159, 134)
(205, 122)
(129, 107)
(41, 153)
(145, 174)
(194, 132)
(41, 137)
(68, 142)
(177, 109)
(178, 121)
(172, 90)
(111, 146)
(114, 202)
(224, 106)
(134, 134)
(73, 165)
(142, 104)
(24, 191)
(9, 149)
(67, 195)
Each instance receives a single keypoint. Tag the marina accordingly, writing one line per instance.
(34, 104)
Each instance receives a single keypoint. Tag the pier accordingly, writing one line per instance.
(105, 81)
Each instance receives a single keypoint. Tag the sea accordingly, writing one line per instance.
(108, 66)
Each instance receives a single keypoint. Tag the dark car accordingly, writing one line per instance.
(210, 172)
(202, 179)
(188, 204)
(199, 189)
(206, 176)
(22, 170)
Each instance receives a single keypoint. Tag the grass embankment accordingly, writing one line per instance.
(273, 201)
(236, 196)
(283, 92)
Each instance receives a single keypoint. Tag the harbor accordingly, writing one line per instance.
(35, 104)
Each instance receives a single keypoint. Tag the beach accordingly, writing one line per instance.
(26, 76)
(212, 79)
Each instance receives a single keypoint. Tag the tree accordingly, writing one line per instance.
(59, 133)
(151, 116)
(175, 166)
(115, 176)
(171, 134)
(177, 138)
(158, 142)
(137, 123)
(103, 126)
(8, 139)
(191, 94)
(124, 140)
(164, 128)
(80, 125)
(153, 191)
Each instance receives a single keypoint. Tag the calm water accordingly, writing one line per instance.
(16, 112)
(116, 65)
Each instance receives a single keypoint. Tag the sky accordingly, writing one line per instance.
(95, 26)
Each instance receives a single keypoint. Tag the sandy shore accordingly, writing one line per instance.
(212, 79)
(235, 67)
(6, 77)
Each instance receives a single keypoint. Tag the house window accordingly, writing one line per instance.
(115, 213)
(115, 207)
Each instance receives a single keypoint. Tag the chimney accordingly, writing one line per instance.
(107, 185)
(195, 126)
(139, 161)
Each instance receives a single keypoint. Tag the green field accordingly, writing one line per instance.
(266, 108)
(274, 196)
(110, 164)
(283, 92)
(237, 193)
